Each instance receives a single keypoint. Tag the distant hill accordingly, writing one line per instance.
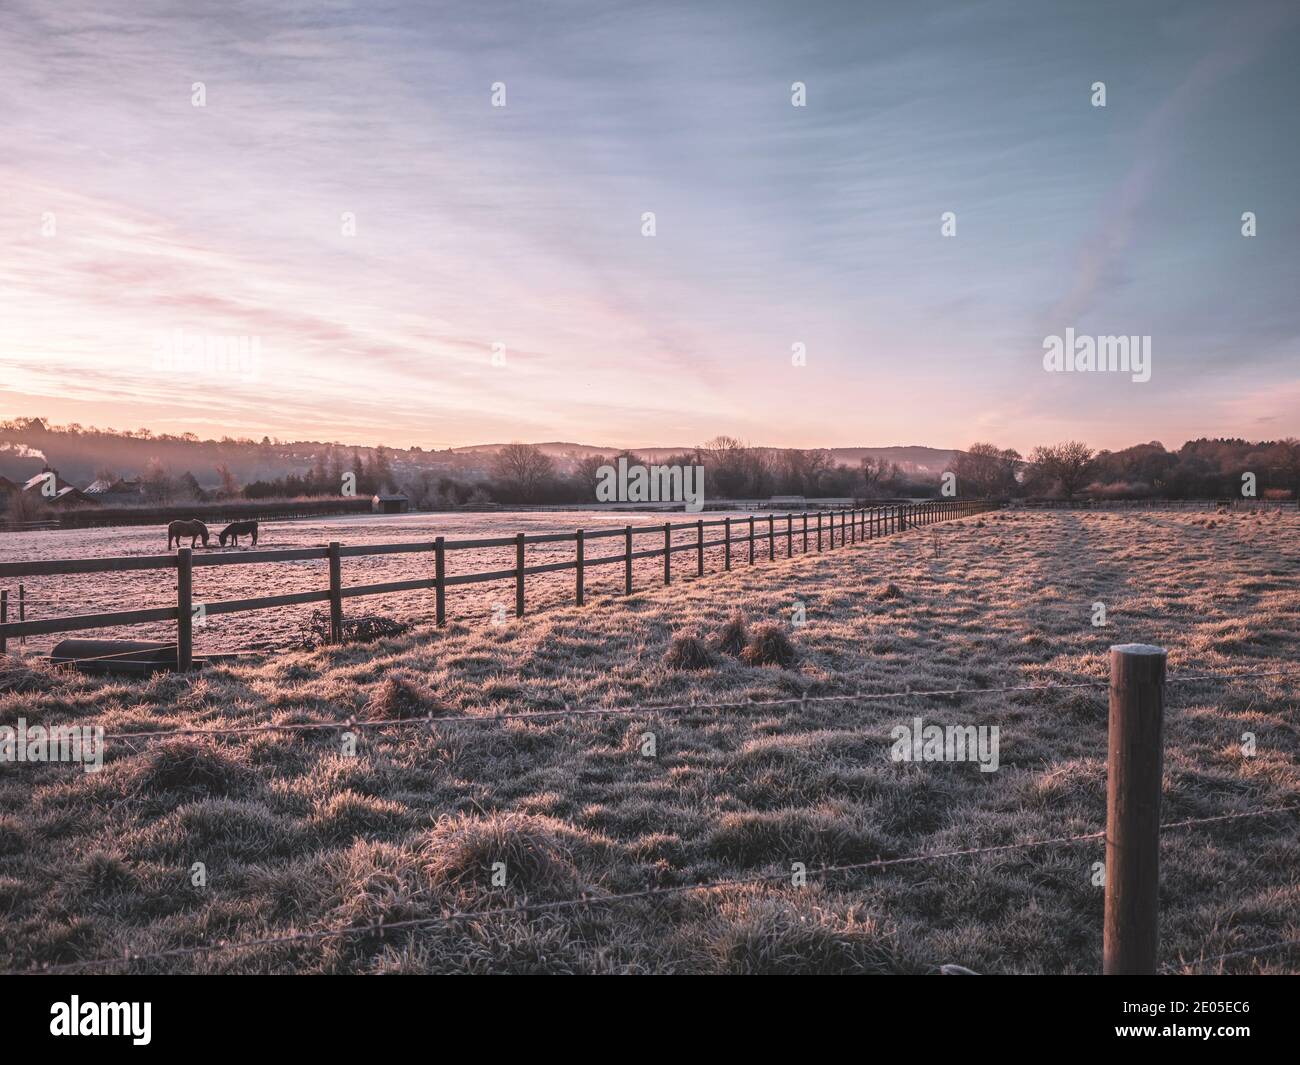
(912, 458)
(80, 454)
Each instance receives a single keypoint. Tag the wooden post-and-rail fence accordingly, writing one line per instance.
(852, 526)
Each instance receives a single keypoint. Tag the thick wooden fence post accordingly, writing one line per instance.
(819, 530)
(771, 538)
(184, 609)
(805, 533)
(4, 617)
(668, 552)
(1135, 766)
(699, 548)
(578, 571)
(336, 593)
(519, 575)
(789, 536)
(439, 582)
(751, 539)
(22, 611)
(726, 556)
(627, 560)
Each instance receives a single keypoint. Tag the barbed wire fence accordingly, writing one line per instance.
(383, 929)
(353, 723)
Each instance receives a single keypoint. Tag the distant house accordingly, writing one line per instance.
(68, 496)
(119, 491)
(47, 484)
(394, 503)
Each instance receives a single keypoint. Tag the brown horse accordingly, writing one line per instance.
(236, 529)
(193, 529)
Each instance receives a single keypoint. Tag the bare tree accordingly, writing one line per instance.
(1068, 465)
(157, 482)
(229, 485)
(587, 472)
(523, 469)
(878, 476)
(986, 470)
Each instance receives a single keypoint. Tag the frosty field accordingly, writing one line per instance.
(297, 836)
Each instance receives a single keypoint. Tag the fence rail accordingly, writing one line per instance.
(828, 527)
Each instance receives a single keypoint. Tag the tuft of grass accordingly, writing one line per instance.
(770, 646)
(688, 651)
(888, 590)
(23, 675)
(400, 697)
(535, 855)
(773, 938)
(190, 764)
(734, 635)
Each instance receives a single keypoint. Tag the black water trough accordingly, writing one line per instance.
(115, 656)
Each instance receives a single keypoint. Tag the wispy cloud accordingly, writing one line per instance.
(520, 227)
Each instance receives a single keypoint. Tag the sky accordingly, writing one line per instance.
(409, 264)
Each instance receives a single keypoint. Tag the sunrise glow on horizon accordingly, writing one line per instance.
(420, 267)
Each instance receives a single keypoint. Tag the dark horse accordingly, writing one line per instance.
(236, 529)
(193, 529)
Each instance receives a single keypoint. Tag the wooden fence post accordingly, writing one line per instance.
(627, 561)
(336, 593)
(751, 539)
(184, 609)
(440, 581)
(699, 548)
(578, 571)
(22, 610)
(771, 538)
(519, 575)
(726, 557)
(805, 532)
(789, 536)
(4, 617)
(819, 530)
(668, 552)
(1135, 765)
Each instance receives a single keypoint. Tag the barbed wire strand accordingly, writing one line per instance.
(537, 715)
(384, 927)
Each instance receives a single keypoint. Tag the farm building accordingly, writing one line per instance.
(120, 490)
(47, 484)
(390, 503)
(68, 496)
